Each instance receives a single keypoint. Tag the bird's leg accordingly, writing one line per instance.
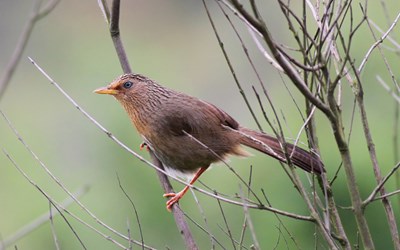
(175, 197)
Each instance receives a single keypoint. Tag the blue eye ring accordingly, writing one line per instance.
(128, 84)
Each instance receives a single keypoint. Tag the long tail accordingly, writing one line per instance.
(271, 146)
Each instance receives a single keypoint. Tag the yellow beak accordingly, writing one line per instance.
(106, 90)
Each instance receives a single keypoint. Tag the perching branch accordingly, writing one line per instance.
(115, 35)
(176, 209)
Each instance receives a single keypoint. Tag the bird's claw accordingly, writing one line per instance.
(175, 197)
(144, 145)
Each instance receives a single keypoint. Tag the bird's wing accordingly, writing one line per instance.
(201, 116)
(222, 116)
(177, 124)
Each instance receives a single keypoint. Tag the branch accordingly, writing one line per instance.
(178, 215)
(221, 44)
(35, 15)
(386, 195)
(376, 44)
(28, 228)
(283, 62)
(176, 209)
(116, 37)
(393, 93)
(59, 207)
(135, 210)
(371, 146)
(373, 194)
(53, 177)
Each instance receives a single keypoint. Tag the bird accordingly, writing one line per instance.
(188, 134)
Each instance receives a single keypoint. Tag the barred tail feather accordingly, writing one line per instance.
(271, 146)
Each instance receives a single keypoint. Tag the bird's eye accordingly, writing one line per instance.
(128, 84)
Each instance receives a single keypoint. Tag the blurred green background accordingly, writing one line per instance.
(173, 43)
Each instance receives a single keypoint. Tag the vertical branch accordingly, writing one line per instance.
(290, 71)
(176, 209)
(338, 129)
(331, 109)
(332, 210)
(337, 126)
(368, 136)
(396, 147)
(396, 127)
(115, 35)
(378, 175)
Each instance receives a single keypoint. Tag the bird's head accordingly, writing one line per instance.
(124, 86)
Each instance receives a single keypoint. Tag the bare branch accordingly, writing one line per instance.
(376, 44)
(35, 15)
(229, 232)
(53, 230)
(113, 21)
(388, 89)
(284, 63)
(53, 177)
(249, 223)
(59, 207)
(230, 65)
(176, 210)
(386, 195)
(134, 209)
(373, 194)
(28, 228)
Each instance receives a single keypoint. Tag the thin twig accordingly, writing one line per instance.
(281, 222)
(233, 73)
(28, 228)
(229, 233)
(386, 195)
(249, 223)
(388, 89)
(264, 52)
(35, 15)
(53, 229)
(244, 224)
(203, 215)
(233, 239)
(380, 185)
(128, 229)
(34, 224)
(376, 44)
(204, 230)
(134, 209)
(53, 177)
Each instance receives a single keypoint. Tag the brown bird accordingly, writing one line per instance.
(187, 134)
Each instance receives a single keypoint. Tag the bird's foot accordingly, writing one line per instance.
(144, 145)
(175, 197)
